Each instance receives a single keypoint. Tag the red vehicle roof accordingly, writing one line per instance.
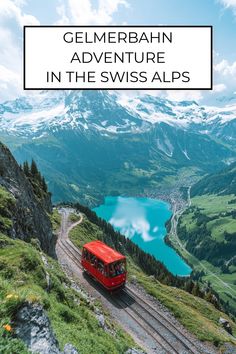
(104, 252)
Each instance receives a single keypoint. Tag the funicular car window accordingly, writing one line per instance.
(93, 260)
(117, 268)
(101, 267)
(86, 254)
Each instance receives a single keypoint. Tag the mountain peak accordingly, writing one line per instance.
(105, 111)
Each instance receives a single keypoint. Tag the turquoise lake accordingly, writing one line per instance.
(143, 220)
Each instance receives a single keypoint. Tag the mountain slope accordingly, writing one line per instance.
(42, 310)
(34, 282)
(99, 143)
(210, 224)
(223, 182)
(108, 112)
(25, 216)
(31, 282)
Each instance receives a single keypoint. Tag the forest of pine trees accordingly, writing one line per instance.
(36, 179)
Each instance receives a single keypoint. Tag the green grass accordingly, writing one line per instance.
(7, 203)
(189, 222)
(85, 232)
(197, 315)
(225, 293)
(74, 217)
(215, 207)
(221, 225)
(22, 280)
(55, 220)
(214, 204)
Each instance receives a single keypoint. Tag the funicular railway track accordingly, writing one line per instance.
(168, 337)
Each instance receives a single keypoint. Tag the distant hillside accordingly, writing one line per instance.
(223, 183)
(98, 143)
(207, 229)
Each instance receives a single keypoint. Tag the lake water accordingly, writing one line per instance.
(143, 220)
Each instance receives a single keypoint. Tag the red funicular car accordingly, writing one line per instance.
(104, 264)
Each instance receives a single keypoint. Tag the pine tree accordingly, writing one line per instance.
(196, 290)
(208, 296)
(26, 168)
(34, 169)
(44, 185)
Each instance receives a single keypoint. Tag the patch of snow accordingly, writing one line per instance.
(86, 114)
(32, 119)
(165, 146)
(186, 154)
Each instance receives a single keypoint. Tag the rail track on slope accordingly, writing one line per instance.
(167, 336)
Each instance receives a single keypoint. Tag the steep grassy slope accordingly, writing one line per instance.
(199, 316)
(23, 279)
(30, 276)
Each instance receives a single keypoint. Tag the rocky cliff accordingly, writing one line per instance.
(28, 217)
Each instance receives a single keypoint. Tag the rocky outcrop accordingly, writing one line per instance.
(33, 327)
(228, 348)
(29, 218)
(134, 351)
(70, 349)
(226, 325)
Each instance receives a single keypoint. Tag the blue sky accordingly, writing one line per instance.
(190, 12)
(219, 13)
(186, 12)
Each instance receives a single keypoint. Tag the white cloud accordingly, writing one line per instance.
(20, 2)
(10, 10)
(61, 11)
(9, 79)
(10, 54)
(12, 19)
(11, 64)
(225, 68)
(219, 88)
(228, 3)
(224, 81)
(7, 75)
(81, 12)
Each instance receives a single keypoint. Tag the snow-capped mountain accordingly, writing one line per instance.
(106, 112)
(98, 142)
(61, 110)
